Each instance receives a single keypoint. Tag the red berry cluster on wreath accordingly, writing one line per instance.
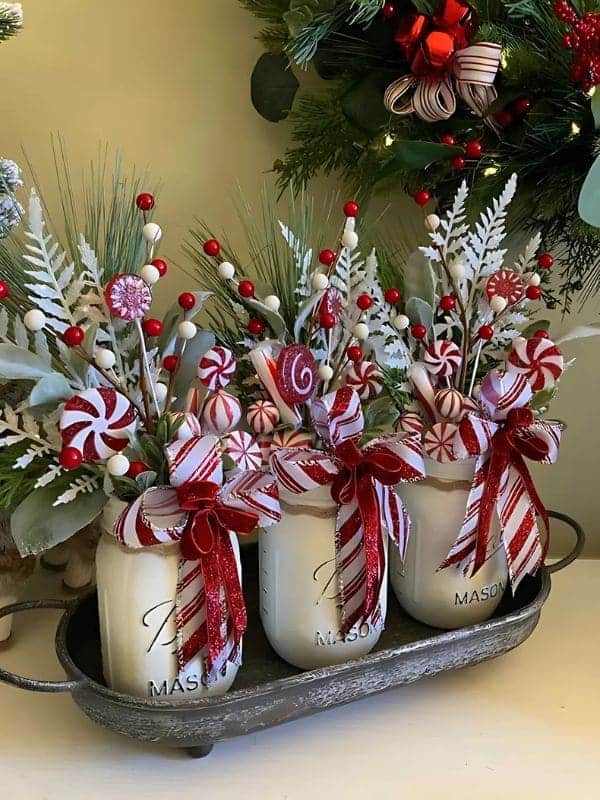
(584, 40)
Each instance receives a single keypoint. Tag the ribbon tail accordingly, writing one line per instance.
(374, 553)
(237, 616)
(461, 552)
(191, 612)
(496, 474)
(434, 100)
(211, 575)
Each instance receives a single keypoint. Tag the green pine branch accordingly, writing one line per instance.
(11, 20)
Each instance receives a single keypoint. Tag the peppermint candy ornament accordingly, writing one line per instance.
(449, 403)
(365, 378)
(264, 442)
(222, 412)
(128, 297)
(411, 422)
(287, 438)
(503, 391)
(438, 442)
(262, 416)
(97, 422)
(189, 427)
(442, 358)
(296, 374)
(243, 449)
(539, 360)
(507, 284)
(216, 368)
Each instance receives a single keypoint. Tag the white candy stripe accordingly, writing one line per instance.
(338, 416)
(300, 471)
(196, 459)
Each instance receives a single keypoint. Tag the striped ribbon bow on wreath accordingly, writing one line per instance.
(202, 513)
(361, 482)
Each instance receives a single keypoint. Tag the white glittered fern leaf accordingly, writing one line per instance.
(302, 256)
(482, 252)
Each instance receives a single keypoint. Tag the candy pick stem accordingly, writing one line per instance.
(475, 366)
(146, 366)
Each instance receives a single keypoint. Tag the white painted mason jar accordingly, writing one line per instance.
(299, 590)
(136, 600)
(444, 598)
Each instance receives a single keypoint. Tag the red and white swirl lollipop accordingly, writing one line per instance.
(539, 360)
(222, 412)
(296, 374)
(507, 284)
(365, 378)
(262, 416)
(243, 449)
(287, 438)
(442, 358)
(438, 442)
(216, 368)
(128, 297)
(503, 391)
(97, 422)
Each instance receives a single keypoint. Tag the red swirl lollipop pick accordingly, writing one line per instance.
(539, 360)
(296, 374)
(128, 297)
(507, 284)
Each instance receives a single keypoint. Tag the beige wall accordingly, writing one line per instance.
(168, 82)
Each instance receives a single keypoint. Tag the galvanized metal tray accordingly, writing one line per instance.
(268, 691)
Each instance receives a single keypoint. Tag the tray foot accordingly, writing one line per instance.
(199, 752)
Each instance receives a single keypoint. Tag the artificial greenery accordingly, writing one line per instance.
(11, 20)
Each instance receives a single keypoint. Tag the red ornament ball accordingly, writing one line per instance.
(136, 468)
(392, 296)
(152, 327)
(419, 331)
(522, 106)
(485, 332)
(4, 290)
(533, 292)
(327, 320)
(458, 162)
(388, 10)
(161, 266)
(504, 118)
(545, 261)
(70, 458)
(354, 353)
(541, 334)
(447, 138)
(73, 336)
(246, 289)
(187, 301)
(422, 197)
(473, 149)
(351, 208)
(327, 257)
(448, 302)
(170, 363)
(256, 327)
(211, 247)
(145, 201)
(364, 301)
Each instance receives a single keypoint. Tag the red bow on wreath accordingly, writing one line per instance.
(443, 65)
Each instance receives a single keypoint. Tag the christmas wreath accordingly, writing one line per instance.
(429, 93)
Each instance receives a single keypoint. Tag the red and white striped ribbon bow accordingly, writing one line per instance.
(361, 482)
(503, 484)
(201, 512)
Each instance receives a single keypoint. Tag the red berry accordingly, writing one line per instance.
(187, 301)
(351, 208)
(170, 363)
(545, 260)
(522, 106)
(388, 11)
(422, 197)
(145, 201)
(473, 149)
(211, 247)
(70, 458)
(136, 468)
(504, 118)
(458, 162)
(485, 332)
(246, 289)
(256, 327)
(161, 266)
(327, 257)
(541, 334)
(392, 296)
(448, 302)
(4, 290)
(73, 336)
(354, 353)
(364, 301)
(419, 331)
(447, 138)
(326, 320)
(533, 292)
(152, 327)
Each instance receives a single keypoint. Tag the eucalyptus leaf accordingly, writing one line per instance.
(273, 87)
(539, 325)
(188, 365)
(171, 320)
(588, 205)
(418, 279)
(595, 106)
(415, 154)
(52, 389)
(419, 312)
(304, 312)
(18, 364)
(363, 103)
(275, 320)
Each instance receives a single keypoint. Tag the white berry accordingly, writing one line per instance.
(320, 281)
(401, 322)
(361, 331)
(117, 465)
(187, 329)
(325, 372)
(160, 390)
(534, 279)
(350, 239)
(272, 302)
(498, 304)
(104, 358)
(457, 270)
(34, 320)
(226, 270)
(432, 222)
(150, 274)
(152, 232)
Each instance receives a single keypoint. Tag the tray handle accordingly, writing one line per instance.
(578, 547)
(31, 684)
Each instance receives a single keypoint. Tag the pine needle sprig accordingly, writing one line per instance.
(11, 20)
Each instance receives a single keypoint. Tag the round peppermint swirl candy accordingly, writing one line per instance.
(296, 374)
(222, 412)
(449, 403)
(442, 358)
(507, 284)
(503, 391)
(288, 438)
(243, 449)
(539, 360)
(97, 422)
(438, 442)
(128, 297)
(216, 367)
(366, 378)
(262, 416)
(411, 422)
